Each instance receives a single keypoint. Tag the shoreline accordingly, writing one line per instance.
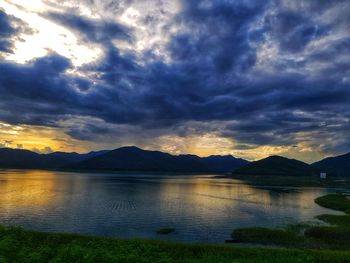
(261, 181)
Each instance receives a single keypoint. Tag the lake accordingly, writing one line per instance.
(201, 208)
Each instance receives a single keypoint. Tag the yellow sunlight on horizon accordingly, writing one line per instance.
(47, 139)
(36, 138)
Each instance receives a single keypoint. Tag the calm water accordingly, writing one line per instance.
(200, 208)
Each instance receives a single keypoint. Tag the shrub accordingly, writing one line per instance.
(339, 236)
(266, 236)
(165, 231)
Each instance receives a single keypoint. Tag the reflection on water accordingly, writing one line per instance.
(200, 208)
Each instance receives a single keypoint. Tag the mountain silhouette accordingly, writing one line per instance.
(60, 159)
(21, 159)
(128, 158)
(336, 166)
(276, 165)
(25, 159)
(131, 158)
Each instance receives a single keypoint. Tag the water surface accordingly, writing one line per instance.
(201, 208)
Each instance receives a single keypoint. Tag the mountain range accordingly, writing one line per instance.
(131, 158)
(136, 159)
(25, 159)
(128, 158)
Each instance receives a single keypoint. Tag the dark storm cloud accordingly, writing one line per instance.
(35, 93)
(91, 30)
(45, 94)
(217, 73)
(6, 32)
(10, 27)
(218, 35)
(293, 30)
(89, 131)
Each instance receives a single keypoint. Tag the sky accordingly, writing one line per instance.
(249, 78)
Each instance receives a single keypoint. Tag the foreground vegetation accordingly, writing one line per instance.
(19, 245)
(335, 235)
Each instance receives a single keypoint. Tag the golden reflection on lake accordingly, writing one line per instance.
(29, 188)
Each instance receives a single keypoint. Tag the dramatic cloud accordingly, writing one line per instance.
(256, 73)
(10, 28)
(97, 31)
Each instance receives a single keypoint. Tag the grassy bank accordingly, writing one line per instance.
(18, 245)
(335, 202)
(335, 235)
(266, 236)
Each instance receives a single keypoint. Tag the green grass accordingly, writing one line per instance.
(165, 231)
(338, 234)
(19, 245)
(267, 236)
(335, 236)
(334, 201)
(337, 220)
(297, 229)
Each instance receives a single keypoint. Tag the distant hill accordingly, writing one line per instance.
(60, 159)
(135, 159)
(24, 159)
(224, 163)
(276, 165)
(336, 166)
(21, 159)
